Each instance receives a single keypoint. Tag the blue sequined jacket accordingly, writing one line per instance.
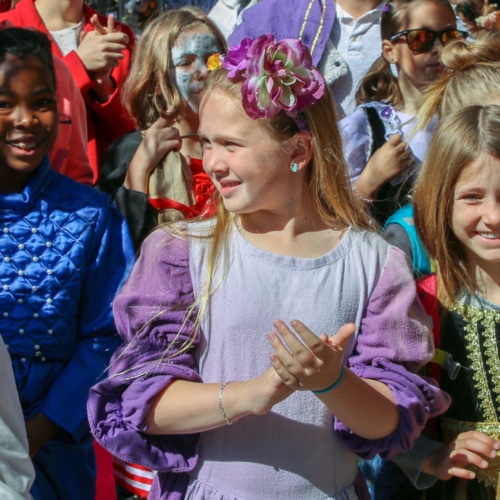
(64, 253)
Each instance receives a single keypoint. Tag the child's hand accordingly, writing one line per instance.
(314, 364)
(39, 429)
(386, 163)
(101, 50)
(265, 391)
(468, 448)
(159, 139)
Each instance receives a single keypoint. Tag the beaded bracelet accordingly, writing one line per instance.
(219, 400)
(335, 384)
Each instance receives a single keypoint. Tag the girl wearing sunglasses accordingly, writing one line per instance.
(382, 154)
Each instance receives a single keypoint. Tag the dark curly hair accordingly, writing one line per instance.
(25, 44)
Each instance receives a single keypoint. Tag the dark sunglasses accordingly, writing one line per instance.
(422, 40)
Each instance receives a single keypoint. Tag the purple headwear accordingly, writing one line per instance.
(276, 76)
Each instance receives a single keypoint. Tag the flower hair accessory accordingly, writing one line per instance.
(276, 76)
(214, 61)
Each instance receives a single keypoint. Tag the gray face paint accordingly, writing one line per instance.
(189, 56)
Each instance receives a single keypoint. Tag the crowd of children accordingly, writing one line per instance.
(258, 268)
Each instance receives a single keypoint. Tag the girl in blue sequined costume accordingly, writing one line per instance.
(64, 252)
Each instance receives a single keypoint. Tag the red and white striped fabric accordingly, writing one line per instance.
(133, 477)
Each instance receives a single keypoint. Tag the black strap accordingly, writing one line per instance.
(389, 197)
(378, 128)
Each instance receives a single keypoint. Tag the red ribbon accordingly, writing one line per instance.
(204, 190)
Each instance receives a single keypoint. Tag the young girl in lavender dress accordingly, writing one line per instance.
(226, 383)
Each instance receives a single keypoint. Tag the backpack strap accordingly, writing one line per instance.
(377, 126)
(427, 293)
(421, 261)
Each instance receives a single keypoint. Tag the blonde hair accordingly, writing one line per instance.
(472, 73)
(327, 180)
(379, 84)
(150, 90)
(327, 175)
(460, 138)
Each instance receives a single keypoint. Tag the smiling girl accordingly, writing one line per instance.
(64, 251)
(457, 214)
(382, 155)
(162, 93)
(218, 386)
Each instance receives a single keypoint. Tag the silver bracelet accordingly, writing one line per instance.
(368, 201)
(219, 400)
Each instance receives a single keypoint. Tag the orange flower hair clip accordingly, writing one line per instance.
(214, 61)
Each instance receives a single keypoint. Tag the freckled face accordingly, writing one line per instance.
(476, 211)
(189, 56)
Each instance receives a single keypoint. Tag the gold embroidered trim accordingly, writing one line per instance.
(483, 359)
(489, 476)
(321, 23)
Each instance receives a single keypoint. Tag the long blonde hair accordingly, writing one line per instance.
(472, 73)
(150, 90)
(328, 180)
(460, 138)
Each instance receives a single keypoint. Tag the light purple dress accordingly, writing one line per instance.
(357, 138)
(297, 450)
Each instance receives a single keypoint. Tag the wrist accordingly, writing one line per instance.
(221, 407)
(103, 88)
(231, 402)
(334, 385)
(138, 173)
(368, 184)
(436, 462)
(360, 197)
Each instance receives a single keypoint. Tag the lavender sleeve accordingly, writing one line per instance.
(393, 343)
(151, 317)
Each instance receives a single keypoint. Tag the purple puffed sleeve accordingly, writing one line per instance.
(393, 343)
(154, 318)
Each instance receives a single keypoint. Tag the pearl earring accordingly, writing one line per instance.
(394, 69)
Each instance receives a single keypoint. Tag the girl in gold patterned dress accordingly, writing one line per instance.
(457, 215)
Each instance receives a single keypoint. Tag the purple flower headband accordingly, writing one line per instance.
(276, 76)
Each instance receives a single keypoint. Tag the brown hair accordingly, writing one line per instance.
(379, 84)
(460, 138)
(150, 90)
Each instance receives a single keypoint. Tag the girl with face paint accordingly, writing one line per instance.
(162, 94)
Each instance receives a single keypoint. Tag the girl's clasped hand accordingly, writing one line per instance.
(306, 361)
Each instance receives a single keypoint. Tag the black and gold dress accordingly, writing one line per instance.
(471, 334)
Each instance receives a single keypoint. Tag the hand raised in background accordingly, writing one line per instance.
(100, 51)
